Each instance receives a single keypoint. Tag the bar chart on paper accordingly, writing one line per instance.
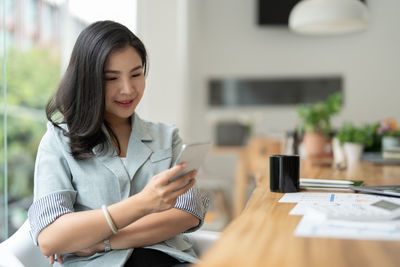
(307, 200)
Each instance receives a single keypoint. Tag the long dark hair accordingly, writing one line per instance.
(80, 95)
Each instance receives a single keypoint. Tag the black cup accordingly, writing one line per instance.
(284, 173)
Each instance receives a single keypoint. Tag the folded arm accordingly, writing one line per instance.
(70, 232)
(187, 215)
(154, 228)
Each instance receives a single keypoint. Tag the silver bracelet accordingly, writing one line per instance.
(107, 245)
(109, 220)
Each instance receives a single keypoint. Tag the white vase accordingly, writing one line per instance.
(353, 151)
(339, 157)
(389, 142)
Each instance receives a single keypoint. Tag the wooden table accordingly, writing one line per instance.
(263, 234)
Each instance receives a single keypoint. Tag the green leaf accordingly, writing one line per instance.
(316, 117)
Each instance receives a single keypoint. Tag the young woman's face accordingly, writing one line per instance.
(124, 84)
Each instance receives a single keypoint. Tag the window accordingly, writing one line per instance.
(36, 39)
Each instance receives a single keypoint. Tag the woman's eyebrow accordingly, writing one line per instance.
(117, 71)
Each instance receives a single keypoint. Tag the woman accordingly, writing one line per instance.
(102, 173)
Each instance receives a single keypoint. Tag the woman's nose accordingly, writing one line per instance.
(127, 86)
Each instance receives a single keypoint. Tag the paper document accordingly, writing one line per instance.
(307, 200)
(325, 181)
(328, 184)
(310, 227)
(313, 225)
(320, 198)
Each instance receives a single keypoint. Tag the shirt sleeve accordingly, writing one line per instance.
(46, 210)
(195, 203)
(54, 194)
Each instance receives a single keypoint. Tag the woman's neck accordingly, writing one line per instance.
(117, 125)
(122, 131)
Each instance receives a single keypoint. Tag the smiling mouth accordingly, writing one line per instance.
(125, 103)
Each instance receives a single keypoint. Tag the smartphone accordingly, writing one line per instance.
(193, 155)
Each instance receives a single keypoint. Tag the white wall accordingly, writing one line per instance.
(162, 28)
(223, 40)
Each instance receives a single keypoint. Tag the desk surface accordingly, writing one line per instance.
(263, 234)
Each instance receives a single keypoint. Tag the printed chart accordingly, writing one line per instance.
(313, 225)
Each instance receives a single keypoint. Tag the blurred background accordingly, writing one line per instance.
(230, 72)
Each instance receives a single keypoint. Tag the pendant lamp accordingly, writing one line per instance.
(328, 17)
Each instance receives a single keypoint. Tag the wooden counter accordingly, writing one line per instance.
(263, 234)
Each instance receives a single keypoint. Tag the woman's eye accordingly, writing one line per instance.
(110, 78)
(136, 75)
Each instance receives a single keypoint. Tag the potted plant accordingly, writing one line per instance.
(390, 134)
(354, 139)
(315, 123)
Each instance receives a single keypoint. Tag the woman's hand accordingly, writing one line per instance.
(52, 259)
(162, 194)
(99, 247)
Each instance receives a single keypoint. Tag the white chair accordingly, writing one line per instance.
(19, 251)
(202, 240)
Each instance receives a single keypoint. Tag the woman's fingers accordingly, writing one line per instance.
(60, 259)
(181, 181)
(51, 259)
(172, 172)
(162, 192)
(183, 189)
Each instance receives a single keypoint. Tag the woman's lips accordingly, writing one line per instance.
(125, 103)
